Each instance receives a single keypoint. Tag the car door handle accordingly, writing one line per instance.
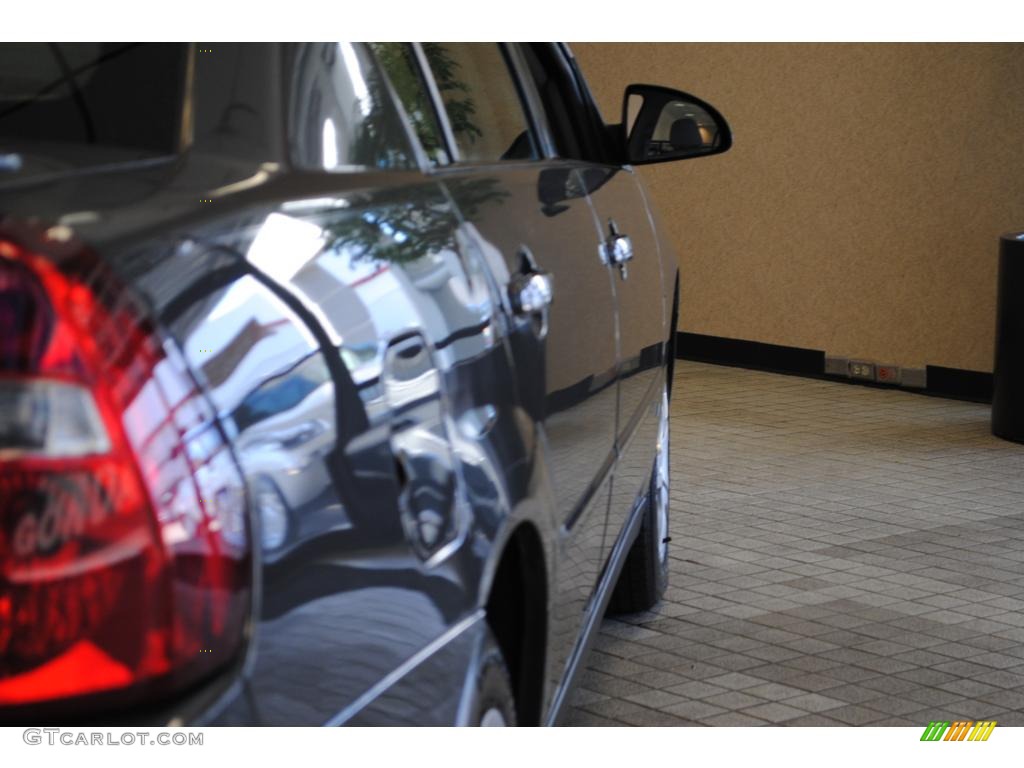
(618, 249)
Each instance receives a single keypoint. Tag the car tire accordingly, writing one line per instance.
(493, 702)
(644, 575)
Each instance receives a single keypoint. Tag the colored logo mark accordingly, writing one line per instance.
(961, 730)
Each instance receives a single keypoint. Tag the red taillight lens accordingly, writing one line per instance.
(124, 555)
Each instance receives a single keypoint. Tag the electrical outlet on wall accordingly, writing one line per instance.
(887, 374)
(862, 371)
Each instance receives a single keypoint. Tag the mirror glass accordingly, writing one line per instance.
(662, 126)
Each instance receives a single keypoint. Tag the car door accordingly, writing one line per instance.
(631, 248)
(337, 331)
(532, 222)
(643, 333)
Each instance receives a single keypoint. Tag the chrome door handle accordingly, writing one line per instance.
(531, 293)
(618, 249)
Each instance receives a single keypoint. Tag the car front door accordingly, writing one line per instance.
(643, 334)
(630, 247)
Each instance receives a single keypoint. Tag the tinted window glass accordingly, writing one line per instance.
(557, 107)
(109, 95)
(399, 63)
(577, 128)
(340, 115)
(481, 101)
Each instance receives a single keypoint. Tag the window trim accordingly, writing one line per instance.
(596, 125)
(588, 125)
(187, 119)
(438, 103)
(420, 153)
(533, 107)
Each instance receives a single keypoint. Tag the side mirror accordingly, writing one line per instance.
(663, 124)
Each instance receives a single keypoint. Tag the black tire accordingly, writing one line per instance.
(644, 575)
(493, 691)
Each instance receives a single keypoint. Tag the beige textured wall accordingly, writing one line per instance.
(860, 208)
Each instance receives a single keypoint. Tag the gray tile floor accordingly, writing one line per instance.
(841, 555)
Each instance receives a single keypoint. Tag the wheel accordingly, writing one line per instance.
(493, 701)
(644, 575)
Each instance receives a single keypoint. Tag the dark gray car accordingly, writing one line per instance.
(333, 379)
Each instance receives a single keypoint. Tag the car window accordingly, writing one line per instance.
(398, 60)
(104, 96)
(576, 127)
(481, 101)
(341, 116)
(557, 107)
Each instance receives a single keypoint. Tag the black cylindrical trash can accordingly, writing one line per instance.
(1008, 384)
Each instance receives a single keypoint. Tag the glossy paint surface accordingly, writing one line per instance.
(566, 367)
(642, 288)
(347, 319)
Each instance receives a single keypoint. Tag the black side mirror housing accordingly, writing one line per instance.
(661, 124)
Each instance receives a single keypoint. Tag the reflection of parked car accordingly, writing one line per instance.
(285, 429)
(338, 370)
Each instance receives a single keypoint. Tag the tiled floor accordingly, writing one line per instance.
(840, 555)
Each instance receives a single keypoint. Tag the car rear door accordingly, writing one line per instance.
(329, 316)
(533, 225)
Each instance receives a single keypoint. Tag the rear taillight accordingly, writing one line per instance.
(124, 553)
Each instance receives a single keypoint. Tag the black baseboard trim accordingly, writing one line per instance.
(959, 384)
(953, 383)
(749, 354)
